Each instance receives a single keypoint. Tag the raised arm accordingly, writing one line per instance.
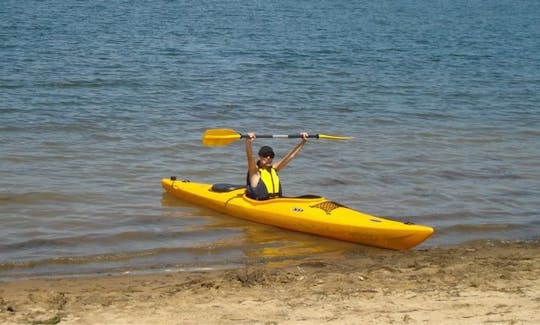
(292, 154)
(251, 163)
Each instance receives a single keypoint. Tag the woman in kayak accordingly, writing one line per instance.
(262, 177)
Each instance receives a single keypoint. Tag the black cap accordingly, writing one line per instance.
(266, 151)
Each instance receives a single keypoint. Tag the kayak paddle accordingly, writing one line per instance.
(223, 137)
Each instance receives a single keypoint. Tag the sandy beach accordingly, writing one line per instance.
(476, 283)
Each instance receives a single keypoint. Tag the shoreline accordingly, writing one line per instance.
(476, 282)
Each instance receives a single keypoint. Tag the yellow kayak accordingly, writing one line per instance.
(309, 214)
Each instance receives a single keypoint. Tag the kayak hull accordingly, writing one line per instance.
(311, 214)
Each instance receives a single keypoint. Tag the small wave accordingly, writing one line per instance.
(11, 86)
(109, 257)
(35, 198)
(485, 174)
(482, 228)
(94, 83)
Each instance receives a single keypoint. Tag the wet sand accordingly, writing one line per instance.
(476, 283)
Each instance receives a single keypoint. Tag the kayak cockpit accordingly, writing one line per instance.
(226, 187)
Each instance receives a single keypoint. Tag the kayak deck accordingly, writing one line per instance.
(311, 214)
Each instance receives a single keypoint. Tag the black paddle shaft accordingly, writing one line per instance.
(287, 136)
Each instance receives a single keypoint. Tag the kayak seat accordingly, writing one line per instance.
(224, 187)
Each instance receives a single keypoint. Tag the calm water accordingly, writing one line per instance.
(101, 99)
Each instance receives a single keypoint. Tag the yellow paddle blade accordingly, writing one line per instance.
(220, 137)
(333, 137)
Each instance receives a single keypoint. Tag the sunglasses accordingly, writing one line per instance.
(271, 155)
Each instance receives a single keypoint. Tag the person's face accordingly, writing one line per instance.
(267, 160)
